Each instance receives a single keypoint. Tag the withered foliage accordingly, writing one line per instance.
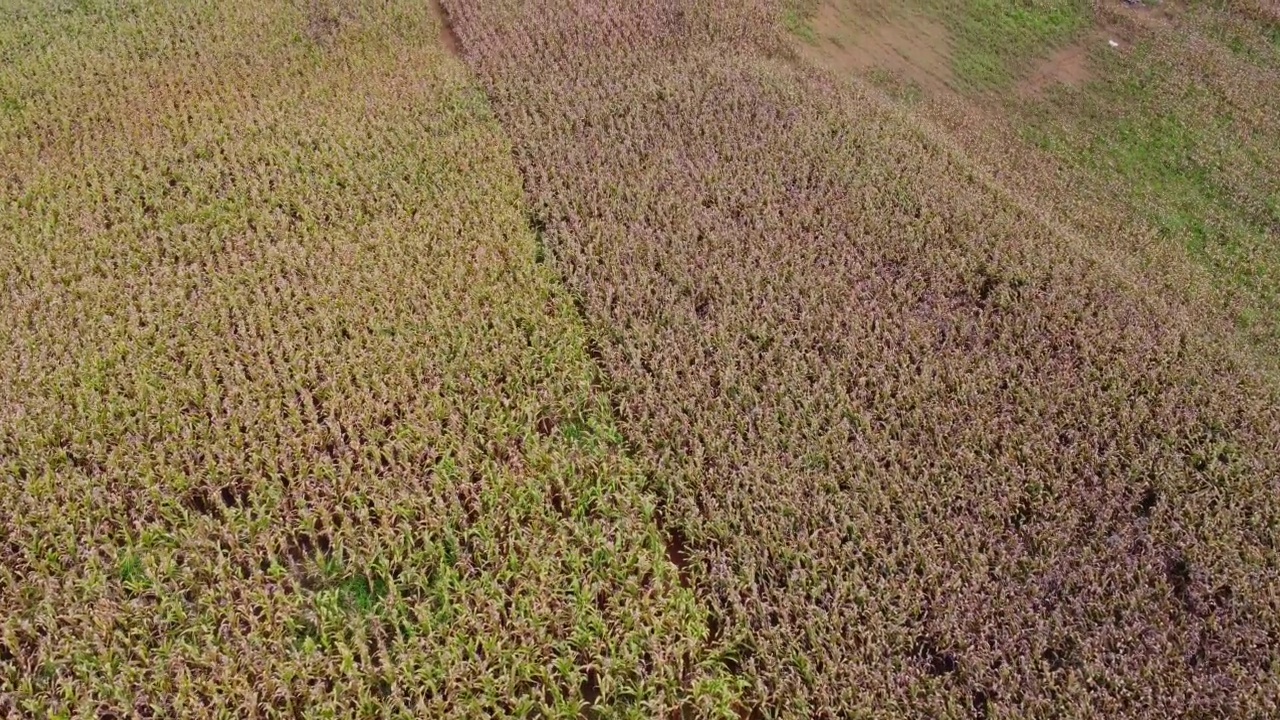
(926, 457)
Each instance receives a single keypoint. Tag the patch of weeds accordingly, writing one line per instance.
(363, 593)
(1158, 156)
(1159, 148)
(131, 570)
(815, 462)
(797, 23)
(1155, 155)
(588, 434)
(802, 666)
(539, 249)
(538, 224)
(1180, 223)
(910, 93)
(611, 436)
(132, 574)
(330, 568)
(980, 67)
(450, 552)
(1044, 138)
(360, 592)
(306, 635)
(882, 78)
(576, 432)
(1167, 164)
(718, 694)
(900, 89)
(1237, 45)
(592, 436)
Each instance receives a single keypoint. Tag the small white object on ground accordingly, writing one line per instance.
(1113, 43)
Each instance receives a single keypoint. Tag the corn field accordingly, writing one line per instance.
(624, 364)
(291, 423)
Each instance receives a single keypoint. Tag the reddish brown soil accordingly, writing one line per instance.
(1067, 66)
(912, 47)
(448, 38)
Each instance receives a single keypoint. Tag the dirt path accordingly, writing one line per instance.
(448, 38)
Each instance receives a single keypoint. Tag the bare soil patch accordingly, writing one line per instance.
(1150, 16)
(912, 47)
(1067, 66)
(448, 38)
(324, 21)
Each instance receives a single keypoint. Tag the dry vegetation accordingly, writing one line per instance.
(291, 422)
(929, 458)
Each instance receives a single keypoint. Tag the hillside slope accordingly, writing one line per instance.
(1149, 128)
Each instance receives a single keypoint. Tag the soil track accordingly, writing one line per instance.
(448, 38)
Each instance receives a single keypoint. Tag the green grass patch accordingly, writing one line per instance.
(1159, 160)
(995, 39)
(797, 22)
(131, 571)
(1151, 138)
